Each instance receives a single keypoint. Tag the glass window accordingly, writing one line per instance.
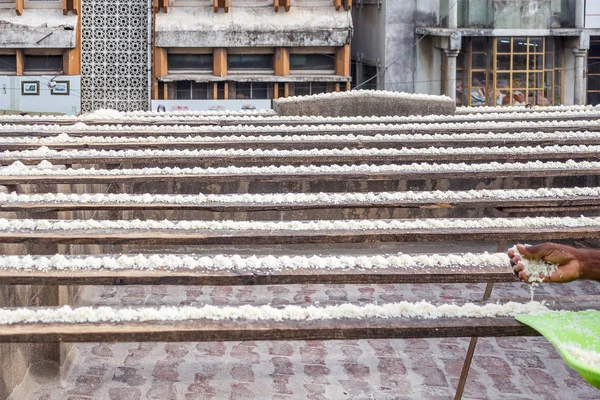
(253, 90)
(43, 63)
(593, 66)
(526, 70)
(8, 63)
(369, 77)
(190, 90)
(190, 62)
(307, 88)
(250, 62)
(310, 62)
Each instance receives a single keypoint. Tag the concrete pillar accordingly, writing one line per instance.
(451, 55)
(453, 15)
(579, 93)
(579, 14)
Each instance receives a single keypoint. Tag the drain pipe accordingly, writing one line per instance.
(579, 14)
(150, 13)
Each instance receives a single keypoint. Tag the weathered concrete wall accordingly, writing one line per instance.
(22, 38)
(371, 105)
(369, 45)
(399, 42)
(428, 70)
(516, 14)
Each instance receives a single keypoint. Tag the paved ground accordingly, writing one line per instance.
(503, 368)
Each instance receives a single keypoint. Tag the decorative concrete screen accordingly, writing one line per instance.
(114, 55)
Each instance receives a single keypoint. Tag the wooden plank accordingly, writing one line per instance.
(160, 62)
(306, 144)
(225, 237)
(568, 123)
(510, 155)
(282, 61)
(246, 177)
(474, 274)
(219, 62)
(19, 7)
(343, 329)
(576, 203)
(20, 60)
(342, 61)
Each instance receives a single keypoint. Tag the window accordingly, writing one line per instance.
(52, 64)
(190, 62)
(307, 88)
(42, 3)
(252, 62)
(190, 90)
(369, 77)
(312, 63)
(510, 71)
(8, 63)
(251, 90)
(593, 67)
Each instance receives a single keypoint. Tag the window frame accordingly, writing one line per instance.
(3, 68)
(592, 60)
(309, 70)
(208, 70)
(555, 88)
(251, 71)
(58, 71)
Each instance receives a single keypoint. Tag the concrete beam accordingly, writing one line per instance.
(254, 38)
(28, 38)
(579, 14)
(477, 32)
(451, 56)
(453, 15)
(579, 92)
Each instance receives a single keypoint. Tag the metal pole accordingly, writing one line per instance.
(150, 14)
(473, 343)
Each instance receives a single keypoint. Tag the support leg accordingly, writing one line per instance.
(473, 343)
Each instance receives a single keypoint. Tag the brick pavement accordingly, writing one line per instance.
(503, 368)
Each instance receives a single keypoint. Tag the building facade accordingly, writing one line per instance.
(480, 52)
(249, 50)
(40, 56)
(73, 56)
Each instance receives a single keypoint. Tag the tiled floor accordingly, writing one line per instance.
(503, 368)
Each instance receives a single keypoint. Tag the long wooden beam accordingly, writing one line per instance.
(255, 237)
(292, 177)
(575, 203)
(298, 159)
(218, 118)
(344, 329)
(306, 144)
(473, 274)
(128, 130)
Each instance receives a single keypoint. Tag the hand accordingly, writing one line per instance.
(569, 259)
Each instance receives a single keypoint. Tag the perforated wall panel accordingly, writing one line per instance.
(114, 56)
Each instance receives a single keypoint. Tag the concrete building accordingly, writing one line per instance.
(82, 55)
(480, 52)
(249, 49)
(40, 59)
